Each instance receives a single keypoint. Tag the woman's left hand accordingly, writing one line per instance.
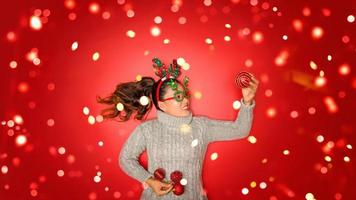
(249, 92)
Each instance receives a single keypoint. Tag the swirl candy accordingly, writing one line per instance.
(243, 79)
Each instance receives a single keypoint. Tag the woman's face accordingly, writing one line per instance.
(172, 106)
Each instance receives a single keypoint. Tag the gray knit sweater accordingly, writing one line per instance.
(179, 143)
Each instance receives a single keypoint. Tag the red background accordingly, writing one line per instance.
(292, 110)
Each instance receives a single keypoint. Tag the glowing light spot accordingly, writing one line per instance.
(60, 173)
(214, 156)
(323, 170)
(70, 4)
(320, 138)
(120, 107)
(117, 195)
(344, 69)
(72, 16)
(94, 8)
(130, 34)
(166, 41)
(317, 33)
(257, 37)
(182, 20)
(4, 169)
(144, 100)
(263, 185)
(91, 120)
(349, 146)
(228, 26)
(158, 20)
(13, 64)
(227, 38)
(21, 140)
(99, 118)
(86, 110)
(306, 11)
(175, 8)
(180, 61)
(183, 181)
(248, 63)
(186, 66)
(253, 184)
(11, 36)
(10, 123)
(36, 61)
(195, 143)
(74, 46)
(252, 139)
(130, 13)
(271, 112)
(285, 37)
(347, 159)
(50, 122)
(138, 77)
(34, 193)
(155, 31)
(268, 93)
(35, 23)
(100, 143)
(254, 2)
(244, 191)
(61, 150)
(294, 114)
(198, 95)
(71, 159)
(327, 158)
(106, 15)
(95, 56)
(313, 65)
(326, 12)
(121, 2)
(18, 119)
(281, 58)
(208, 41)
(185, 128)
(351, 19)
(286, 152)
(320, 81)
(330, 104)
(207, 2)
(309, 196)
(330, 57)
(236, 105)
(298, 25)
(97, 179)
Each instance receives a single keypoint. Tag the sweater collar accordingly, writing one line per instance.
(172, 120)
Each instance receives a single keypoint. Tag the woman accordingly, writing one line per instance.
(176, 140)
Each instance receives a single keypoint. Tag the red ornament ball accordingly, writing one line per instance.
(176, 176)
(178, 189)
(159, 174)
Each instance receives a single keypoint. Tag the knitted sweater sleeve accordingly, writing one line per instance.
(129, 155)
(221, 130)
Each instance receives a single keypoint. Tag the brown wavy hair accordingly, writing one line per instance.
(129, 94)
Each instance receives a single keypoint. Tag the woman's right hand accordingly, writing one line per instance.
(158, 187)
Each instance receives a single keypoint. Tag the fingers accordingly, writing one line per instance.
(165, 190)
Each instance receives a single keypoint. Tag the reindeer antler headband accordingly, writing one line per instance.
(172, 72)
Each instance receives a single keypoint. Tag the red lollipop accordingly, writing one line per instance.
(159, 174)
(243, 79)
